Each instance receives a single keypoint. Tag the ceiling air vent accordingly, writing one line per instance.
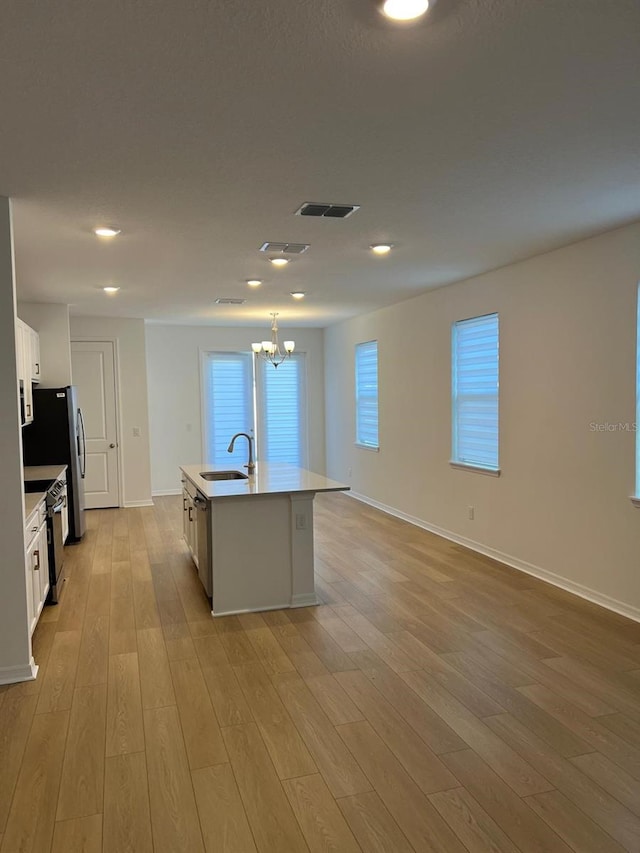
(229, 300)
(330, 211)
(284, 248)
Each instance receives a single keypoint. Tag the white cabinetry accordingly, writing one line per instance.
(196, 527)
(65, 515)
(190, 519)
(34, 352)
(36, 563)
(28, 363)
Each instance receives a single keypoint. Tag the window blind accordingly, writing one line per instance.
(228, 405)
(281, 395)
(367, 394)
(475, 383)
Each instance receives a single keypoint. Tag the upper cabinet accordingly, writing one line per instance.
(28, 359)
(34, 354)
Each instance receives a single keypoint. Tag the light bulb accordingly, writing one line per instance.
(256, 347)
(404, 10)
(289, 346)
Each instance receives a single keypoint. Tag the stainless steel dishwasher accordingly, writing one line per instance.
(202, 543)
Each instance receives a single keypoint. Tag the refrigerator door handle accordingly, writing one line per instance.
(82, 452)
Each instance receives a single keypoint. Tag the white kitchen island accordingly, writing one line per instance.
(252, 539)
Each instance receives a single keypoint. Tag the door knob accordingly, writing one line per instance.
(112, 445)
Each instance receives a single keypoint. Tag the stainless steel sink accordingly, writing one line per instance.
(223, 475)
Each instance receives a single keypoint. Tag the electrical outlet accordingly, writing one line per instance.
(188, 427)
(136, 432)
(348, 472)
(471, 512)
(301, 521)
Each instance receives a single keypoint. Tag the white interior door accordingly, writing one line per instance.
(94, 375)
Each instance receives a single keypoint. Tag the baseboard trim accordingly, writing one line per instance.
(14, 674)
(130, 504)
(163, 492)
(306, 599)
(578, 589)
(284, 606)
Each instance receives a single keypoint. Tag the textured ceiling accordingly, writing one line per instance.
(492, 131)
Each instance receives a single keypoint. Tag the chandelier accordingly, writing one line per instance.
(270, 350)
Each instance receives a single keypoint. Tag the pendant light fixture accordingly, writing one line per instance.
(270, 350)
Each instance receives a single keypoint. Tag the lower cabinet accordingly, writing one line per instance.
(189, 522)
(196, 528)
(36, 565)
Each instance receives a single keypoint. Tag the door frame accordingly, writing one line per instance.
(97, 339)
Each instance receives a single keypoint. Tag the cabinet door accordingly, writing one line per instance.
(194, 531)
(35, 355)
(20, 349)
(37, 574)
(28, 562)
(185, 515)
(44, 564)
(65, 517)
(26, 374)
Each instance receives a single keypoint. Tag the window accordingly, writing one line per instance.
(228, 387)
(367, 394)
(475, 392)
(243, 395)
(281, 414)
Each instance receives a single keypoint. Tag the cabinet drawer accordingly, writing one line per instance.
(35, 520)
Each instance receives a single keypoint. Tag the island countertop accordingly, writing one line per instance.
(269, 478)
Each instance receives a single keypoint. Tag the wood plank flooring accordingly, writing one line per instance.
(435, 701)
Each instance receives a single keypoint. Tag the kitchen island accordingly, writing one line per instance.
(252, 538)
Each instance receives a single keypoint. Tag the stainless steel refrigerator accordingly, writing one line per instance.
(57, 437)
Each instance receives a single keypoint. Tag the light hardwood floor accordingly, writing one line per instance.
(436, 701)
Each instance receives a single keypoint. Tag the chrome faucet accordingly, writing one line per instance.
(251, 465)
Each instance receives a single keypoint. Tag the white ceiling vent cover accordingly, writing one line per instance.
(284, 248)
(229, 300)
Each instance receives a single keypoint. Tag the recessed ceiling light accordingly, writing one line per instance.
(106, 231)
(298, 294)
(381, 248)
(111, 289)
(254, 282)
(404, 10)
(279, 262)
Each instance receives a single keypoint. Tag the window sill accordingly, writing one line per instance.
(635, 500)
(367, 447)
(478, 469)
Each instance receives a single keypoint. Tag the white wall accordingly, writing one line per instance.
(15, 641)
(134, 413)
(173, 358)
(567, 360)
(52, 324)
